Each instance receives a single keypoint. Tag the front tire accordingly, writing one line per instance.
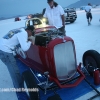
(31, 84)
(91, 60)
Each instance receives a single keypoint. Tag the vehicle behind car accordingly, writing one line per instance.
(38, 15)
(70, 15)
(82, 7)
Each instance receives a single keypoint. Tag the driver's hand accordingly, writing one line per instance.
(30, 39)
(33, 43)
(63, 25)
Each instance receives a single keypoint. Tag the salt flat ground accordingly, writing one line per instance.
(85, 38)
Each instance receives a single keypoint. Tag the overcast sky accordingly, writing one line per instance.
(9, 8)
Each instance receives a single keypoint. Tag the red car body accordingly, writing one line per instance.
(57, 57)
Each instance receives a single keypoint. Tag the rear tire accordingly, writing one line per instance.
(31, 84)
(91, 60)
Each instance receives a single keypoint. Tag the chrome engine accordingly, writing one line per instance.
(43, 38)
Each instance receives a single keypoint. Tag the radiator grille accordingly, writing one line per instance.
(65, 60)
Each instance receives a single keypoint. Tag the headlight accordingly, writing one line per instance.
(44, 20)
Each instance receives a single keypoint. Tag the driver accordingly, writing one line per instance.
(6, 55)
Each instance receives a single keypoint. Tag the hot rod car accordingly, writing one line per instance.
(52, 56)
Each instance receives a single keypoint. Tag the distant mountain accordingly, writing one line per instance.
(84, 2)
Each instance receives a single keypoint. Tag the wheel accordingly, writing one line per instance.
(31, 84)
(72, 21)
(91, 60)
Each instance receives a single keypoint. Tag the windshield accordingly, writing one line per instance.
(45, 30)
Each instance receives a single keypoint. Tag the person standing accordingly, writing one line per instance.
(7, 45)
(55, 15)
(88, 13)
